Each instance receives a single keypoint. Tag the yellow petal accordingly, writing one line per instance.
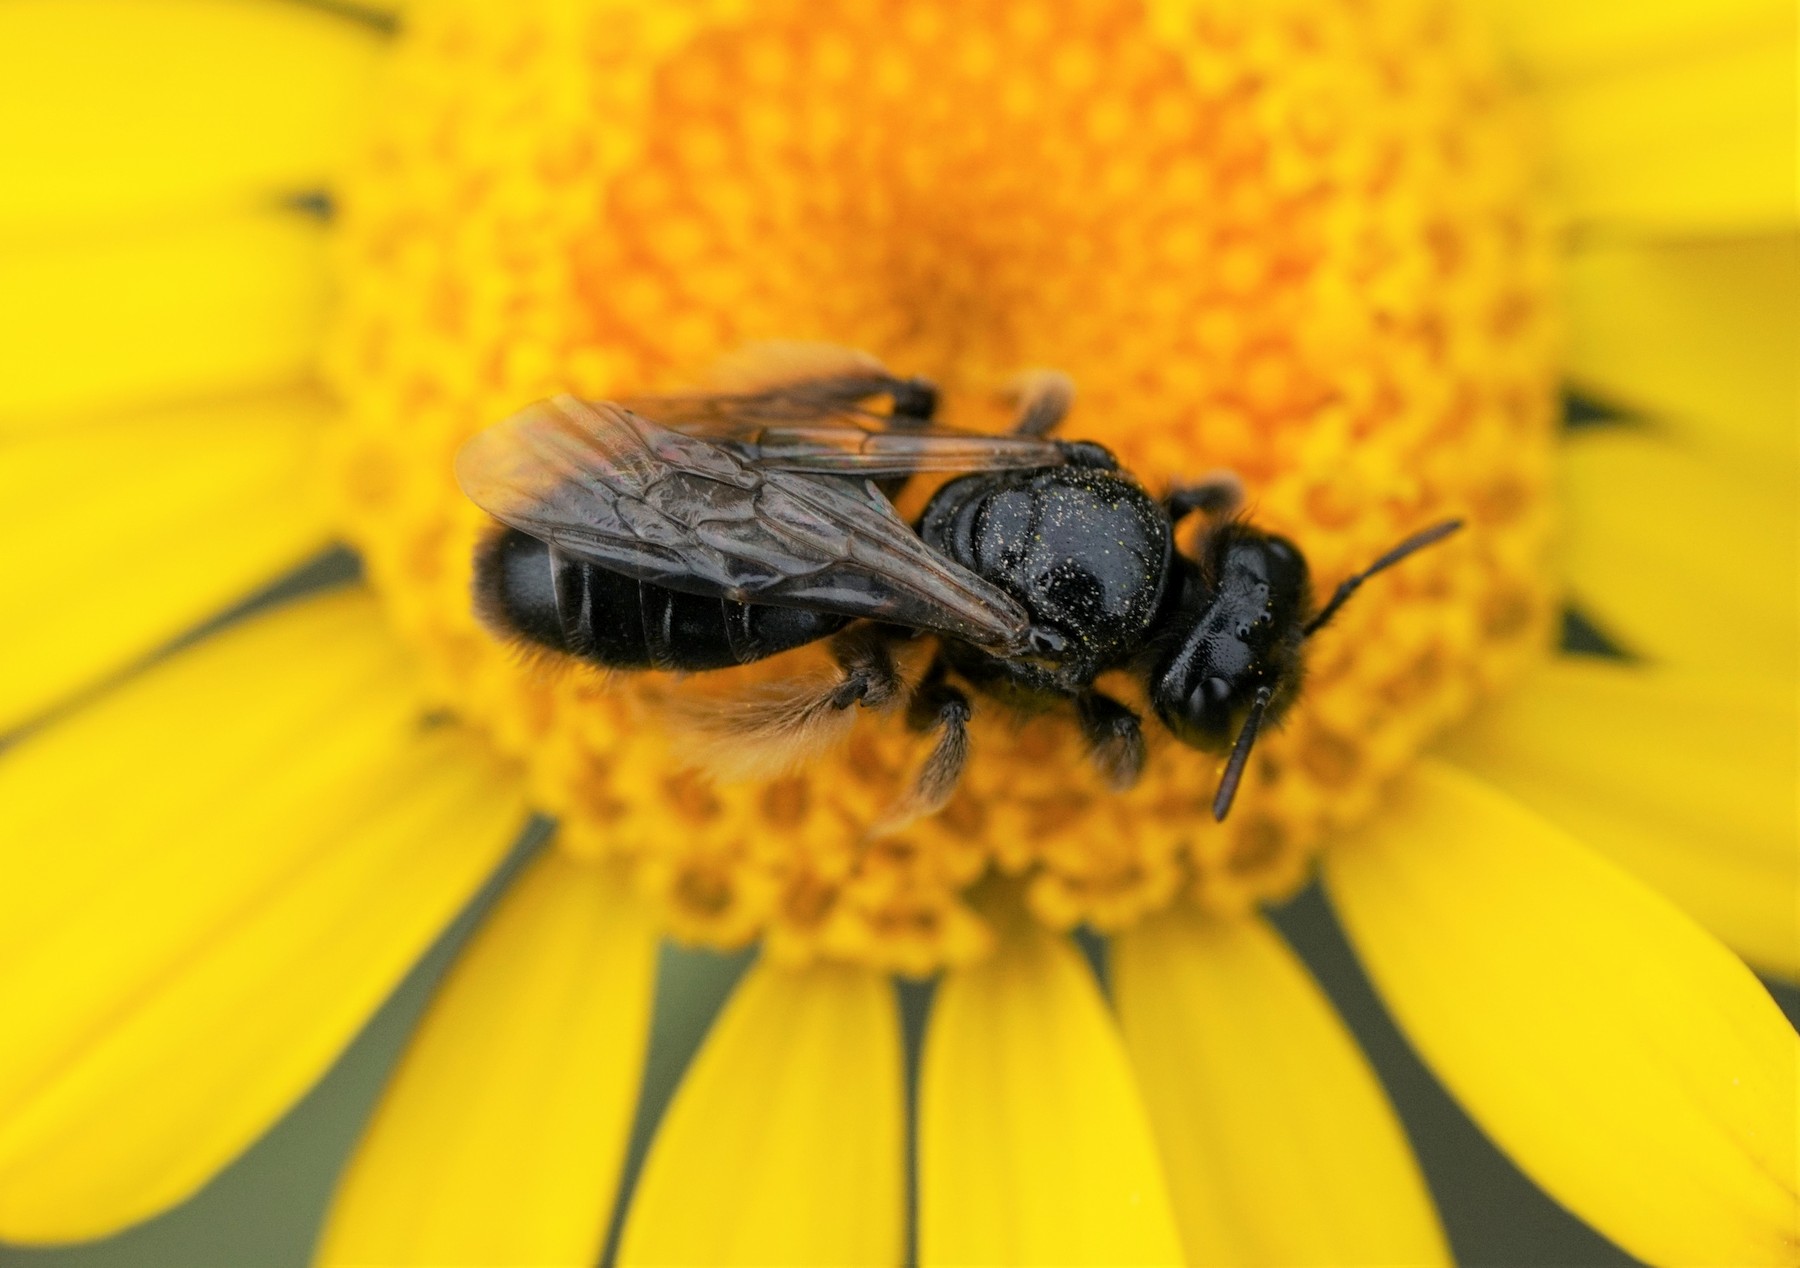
(1556, 41)
(1699, 141)
(121, 108)
(1680, 560)
(1034, 1146)
(500, 1137)
(785, 1142)
(159, 313)
(118, 535)
(208, 880)
(1280, 1146)
(1702, 336)
(1685, 779)
(1630, 1064)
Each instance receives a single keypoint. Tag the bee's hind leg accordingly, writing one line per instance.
(1115, 738)
(771, 729)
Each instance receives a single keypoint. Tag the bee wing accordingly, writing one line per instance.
(846, 450)
(610, 487)
(805, 407)
(814, 433)
(840, 398)
(821, 427)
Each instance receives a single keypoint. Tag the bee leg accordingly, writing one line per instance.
(865, 654)
(1218, 494)
(915, 402)
(1041, 399)
(943, 767)
(1115, 738)
(936, 706)
(772, 729)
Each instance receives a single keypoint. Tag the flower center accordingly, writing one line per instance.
(1292, 239)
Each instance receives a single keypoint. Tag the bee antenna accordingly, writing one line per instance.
(1240, 755)
(1348, 587)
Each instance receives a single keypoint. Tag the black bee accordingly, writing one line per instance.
(706, 531)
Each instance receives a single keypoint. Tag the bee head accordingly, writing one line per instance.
(1232, 661)
(1236, 637)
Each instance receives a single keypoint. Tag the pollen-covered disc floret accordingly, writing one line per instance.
(1294, 239)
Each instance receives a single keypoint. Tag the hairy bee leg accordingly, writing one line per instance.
(936, 706)
(1218, 494)
(871, 678)
(772, 729)
(1115, 738)
(1042, 399)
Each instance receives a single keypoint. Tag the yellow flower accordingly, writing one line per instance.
(1304, 239)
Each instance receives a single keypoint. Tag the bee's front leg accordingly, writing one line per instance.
(1214, 496)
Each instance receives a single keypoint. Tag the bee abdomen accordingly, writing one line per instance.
(526, 590)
